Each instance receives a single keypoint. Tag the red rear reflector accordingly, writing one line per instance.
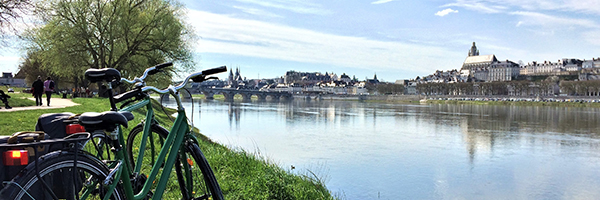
(16, 157)
(74, 128)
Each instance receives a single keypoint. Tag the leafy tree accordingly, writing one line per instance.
(568, 87)
(464, 88)
(371, 88)
(31, 67)
(390, 88)
(128, 35)
(545, 88)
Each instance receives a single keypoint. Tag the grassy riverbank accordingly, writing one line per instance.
(242, 175)
(20, 99)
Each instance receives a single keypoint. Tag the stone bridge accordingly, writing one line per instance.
(228, 93)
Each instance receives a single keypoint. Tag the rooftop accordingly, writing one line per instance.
(480, 59)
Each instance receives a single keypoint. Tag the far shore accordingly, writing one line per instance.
(557, 101)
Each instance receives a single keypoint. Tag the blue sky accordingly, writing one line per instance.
(395, 39)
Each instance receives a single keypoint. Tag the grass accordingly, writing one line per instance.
(20, 99)
(241, 175)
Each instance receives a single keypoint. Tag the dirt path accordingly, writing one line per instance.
(54, 103)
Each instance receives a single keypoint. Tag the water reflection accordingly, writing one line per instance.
(399, 151)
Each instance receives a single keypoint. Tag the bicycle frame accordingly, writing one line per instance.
(173, 142)
(149, 120)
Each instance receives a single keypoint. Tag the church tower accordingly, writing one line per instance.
(474, 51)
(230, 78)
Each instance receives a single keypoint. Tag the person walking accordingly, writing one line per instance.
(38, 90)
(4, 99)
(49, 88)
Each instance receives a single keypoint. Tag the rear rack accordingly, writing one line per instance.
(73, 142)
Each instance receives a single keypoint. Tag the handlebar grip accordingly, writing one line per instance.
(214, 70)
(163, 65)
(127, 95)
(158, 67)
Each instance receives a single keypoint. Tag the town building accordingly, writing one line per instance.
(561, 67)
(478, 62)
(487, 68)
(571, 64)
(503, 71)
(475, 61)
(410, 87)
(8, 79)
(345, 78)
(473, 51)
(306, 78)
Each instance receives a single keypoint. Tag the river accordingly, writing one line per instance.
(407, 151)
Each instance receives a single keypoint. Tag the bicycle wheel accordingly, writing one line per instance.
(56, 172)
(134, 139)
(195, 177)
(195, 180)
(98, 146)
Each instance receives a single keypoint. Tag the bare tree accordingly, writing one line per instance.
(11, 13)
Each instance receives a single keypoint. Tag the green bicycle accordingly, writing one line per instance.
(115, 179)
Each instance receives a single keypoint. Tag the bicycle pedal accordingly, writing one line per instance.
(149, 195)
(138, 181)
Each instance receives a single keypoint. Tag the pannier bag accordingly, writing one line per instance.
(53, 124)
(58, 125)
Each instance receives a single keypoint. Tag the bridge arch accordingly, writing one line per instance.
(229, 94)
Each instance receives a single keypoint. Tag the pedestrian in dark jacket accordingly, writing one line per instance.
(38, 90)
(4, 99)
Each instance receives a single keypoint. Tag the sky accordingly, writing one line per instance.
(393, 39)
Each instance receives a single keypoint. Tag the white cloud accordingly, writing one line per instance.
(496, 6)
(257, 12)
(519, 23)
(584, 6)
(479, 6)
(445, 12)
(587, 6)
(297, 6)
(549, 21)
(228, 35)
(381, 1)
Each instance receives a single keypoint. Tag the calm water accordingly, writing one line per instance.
(399, 151)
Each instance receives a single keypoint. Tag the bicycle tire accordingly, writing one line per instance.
(132, 143)
(192, 150)
(204, 185)
(98, 146)
(53, 167)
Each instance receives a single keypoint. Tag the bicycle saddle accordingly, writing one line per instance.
(105, 120)
(105, 74)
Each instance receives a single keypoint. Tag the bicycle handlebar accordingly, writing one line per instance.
(196, 77)
(214, 70)
(127, 95)
(150, 71)
(158, 67)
